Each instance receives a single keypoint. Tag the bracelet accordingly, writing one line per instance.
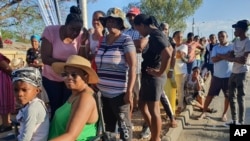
(83, 46)
(171, 70)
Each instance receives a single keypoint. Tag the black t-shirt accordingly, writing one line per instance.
(152, 53)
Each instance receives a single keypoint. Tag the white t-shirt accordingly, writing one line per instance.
(180, 66)
(93, 44)
(240, 47)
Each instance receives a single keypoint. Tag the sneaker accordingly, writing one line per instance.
(145, 132)
(227, 124)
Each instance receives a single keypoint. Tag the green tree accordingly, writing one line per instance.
(174, 12)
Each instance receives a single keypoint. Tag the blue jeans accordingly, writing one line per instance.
(190, 66)
(57, 92)
(238, 83)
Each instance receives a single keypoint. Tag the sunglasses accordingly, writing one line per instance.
(66, 74)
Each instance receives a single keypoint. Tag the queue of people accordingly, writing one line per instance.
(128, 67)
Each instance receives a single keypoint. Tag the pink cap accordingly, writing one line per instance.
(134, 11)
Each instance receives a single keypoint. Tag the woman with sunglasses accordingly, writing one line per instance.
(76, 119)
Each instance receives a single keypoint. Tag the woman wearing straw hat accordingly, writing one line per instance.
(116, 67)
(77, 118)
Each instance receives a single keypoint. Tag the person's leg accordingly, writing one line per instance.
(232, 96)
(6, 119)
(108, 115)
(136, 90)
(156, 123)
(189, 67)
(55, 91)
(145, 113)
(214, 90)
(242, 83)
(122, 113)
(180, 80)
(167, 107)
(226, 101)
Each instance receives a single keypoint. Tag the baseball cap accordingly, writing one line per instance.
(243, 24)
(134, 11)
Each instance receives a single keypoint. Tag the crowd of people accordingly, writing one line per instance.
(68, 64)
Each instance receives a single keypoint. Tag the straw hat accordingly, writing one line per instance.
(77, 62)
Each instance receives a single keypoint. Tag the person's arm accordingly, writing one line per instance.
(47, 51)
(82, 113)
(172, 64)
(166, 54)
(131, 61)
(4, 66)
(199, 83)
(85, 46)
(84, 50)
(140, 44)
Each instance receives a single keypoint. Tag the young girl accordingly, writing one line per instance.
(33, 116)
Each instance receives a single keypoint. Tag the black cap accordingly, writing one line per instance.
(243, 24)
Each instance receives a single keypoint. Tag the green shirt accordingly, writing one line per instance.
(60, 120)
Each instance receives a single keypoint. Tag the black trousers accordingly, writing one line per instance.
(116, 111)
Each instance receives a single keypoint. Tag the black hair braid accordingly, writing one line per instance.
(74, 15)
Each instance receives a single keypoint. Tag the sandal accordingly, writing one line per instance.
(5, 128)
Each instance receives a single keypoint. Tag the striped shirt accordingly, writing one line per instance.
(135, 35)
(112, 67)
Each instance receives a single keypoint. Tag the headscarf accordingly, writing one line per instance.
(37, 37)
(30, 75)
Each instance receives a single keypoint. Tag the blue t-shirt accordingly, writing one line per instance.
(222, 68)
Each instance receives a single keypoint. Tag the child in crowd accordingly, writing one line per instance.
(194, 90)
(33, 116)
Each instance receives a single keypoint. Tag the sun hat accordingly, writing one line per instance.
(16, 62)
(243, 24)
(30, 75)
(77, 62)
(133, 11)
(116, 13)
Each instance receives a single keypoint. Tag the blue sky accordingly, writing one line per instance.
(211, 17)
